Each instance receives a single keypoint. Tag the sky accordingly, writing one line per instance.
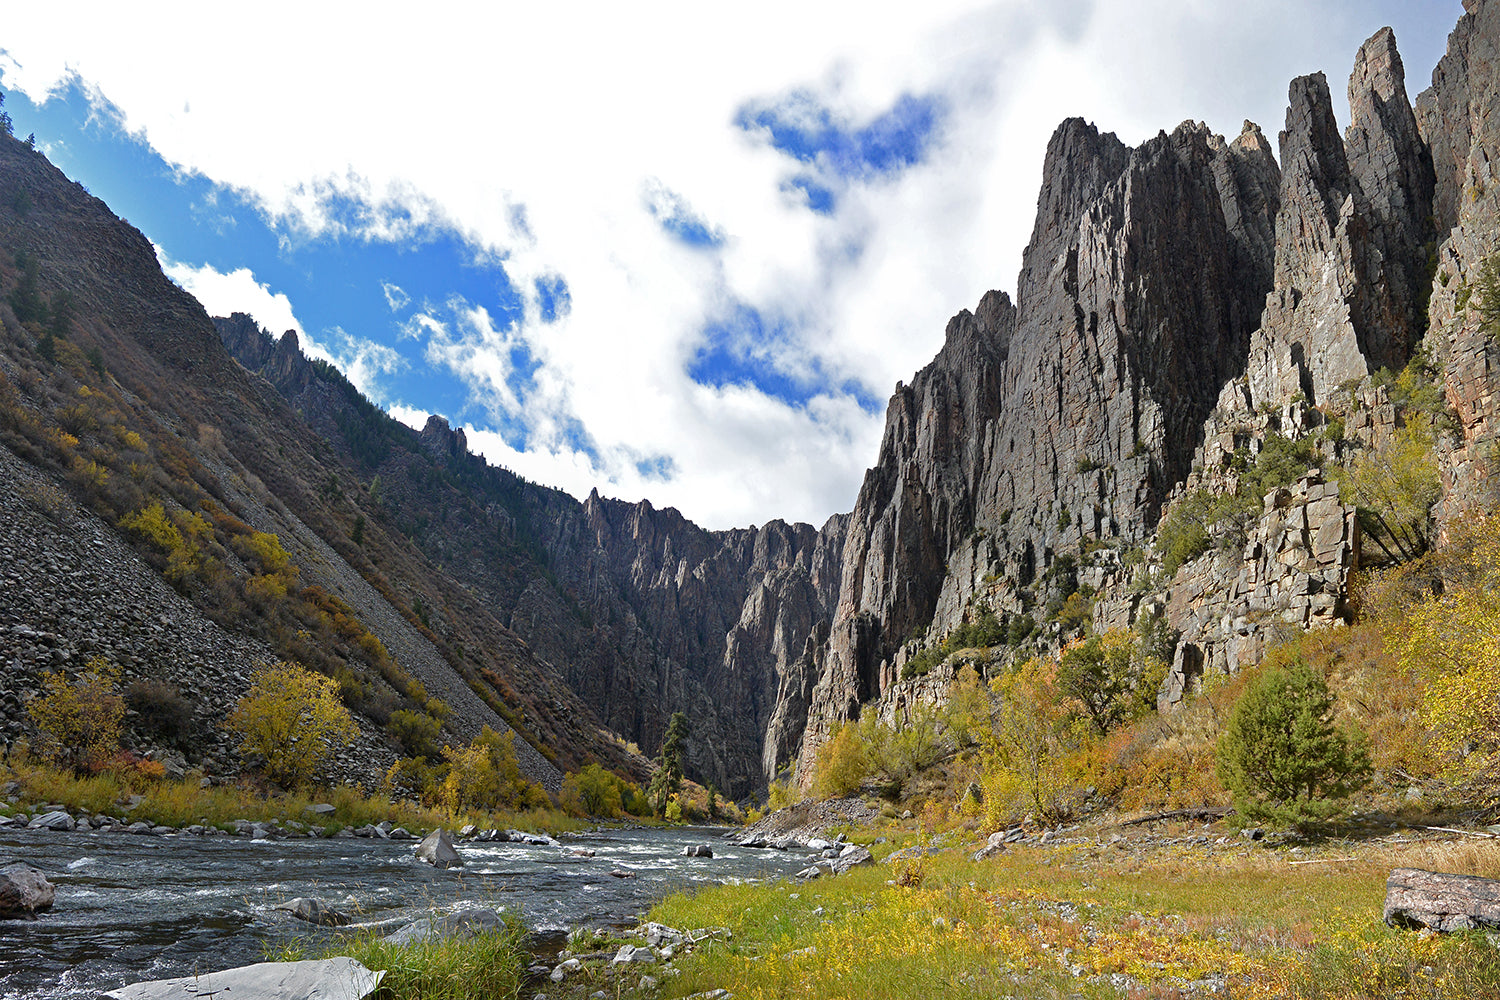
(674, 251)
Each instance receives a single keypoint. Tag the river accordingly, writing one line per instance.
(132, 908)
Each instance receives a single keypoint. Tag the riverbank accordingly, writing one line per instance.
(112, 801)
(1151, 910)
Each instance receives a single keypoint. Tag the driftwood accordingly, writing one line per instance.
(1415, 898)
(1205, 813)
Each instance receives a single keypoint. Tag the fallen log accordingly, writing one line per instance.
(1205, 814)
(1415, 898)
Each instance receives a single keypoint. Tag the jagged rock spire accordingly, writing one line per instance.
(1350, 272)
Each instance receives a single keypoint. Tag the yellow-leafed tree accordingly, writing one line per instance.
(1452, 641)
(292, 720)
(79, 721)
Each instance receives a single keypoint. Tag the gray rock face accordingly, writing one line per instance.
(24, 891)
(1391, 165)
(1074, 412)
(1293, 574)
(1441, 902)
(1351, 269)
(1458, 117)
(325, 979)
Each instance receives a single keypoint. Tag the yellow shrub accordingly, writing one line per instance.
(841, 764)
(291, 719)
(80, 721)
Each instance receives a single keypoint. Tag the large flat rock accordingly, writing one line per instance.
(323, 979)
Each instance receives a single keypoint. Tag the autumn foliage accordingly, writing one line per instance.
(79, 722)
(291, 721)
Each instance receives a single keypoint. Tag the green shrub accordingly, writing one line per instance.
(161, 707)
(593, 791)
(417, 732)
(1280, 753)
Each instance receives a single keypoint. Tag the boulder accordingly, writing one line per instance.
(23, 891)
(630, 953)
(852, 856)
(325, 979)
(1415, 898)
(464, 923)
(314, 911)
(437, 849)
(697, 851)
(56, 820)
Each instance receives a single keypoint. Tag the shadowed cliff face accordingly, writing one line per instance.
(1072, 413)
(1457, 117)
(641, 612)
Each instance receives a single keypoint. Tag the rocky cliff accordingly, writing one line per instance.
(1183, 306)
(1133, 373)
(640, 612)
(1066, 417)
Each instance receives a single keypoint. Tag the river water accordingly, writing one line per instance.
(133, 908)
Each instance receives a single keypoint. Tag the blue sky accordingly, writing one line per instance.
(621, 252)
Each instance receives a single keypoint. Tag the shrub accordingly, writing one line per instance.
(292, 720)
(593, 791)
(1280, 754)
(841, 764)
(160, 707)
(417, 732)
(79, 722)
(1028, 756)
(1110, 676)
(486, 775)
(1394, 487)
(897, 753)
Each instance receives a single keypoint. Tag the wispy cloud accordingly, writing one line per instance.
(395, 297)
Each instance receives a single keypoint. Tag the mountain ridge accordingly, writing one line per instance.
(1183, 307)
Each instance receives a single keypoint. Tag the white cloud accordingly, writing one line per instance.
(412, 416)
(237, 291)
(533, 129)
(395, 297)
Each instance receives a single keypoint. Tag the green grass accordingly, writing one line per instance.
(1090, 920)
(183, 803)
(486, 966)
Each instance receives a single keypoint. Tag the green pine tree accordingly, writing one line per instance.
(1281, 755)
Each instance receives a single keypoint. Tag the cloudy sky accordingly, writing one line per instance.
(680, 251)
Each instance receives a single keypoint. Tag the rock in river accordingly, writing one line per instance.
(314, 911)
(437, 849)
(23, 891)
